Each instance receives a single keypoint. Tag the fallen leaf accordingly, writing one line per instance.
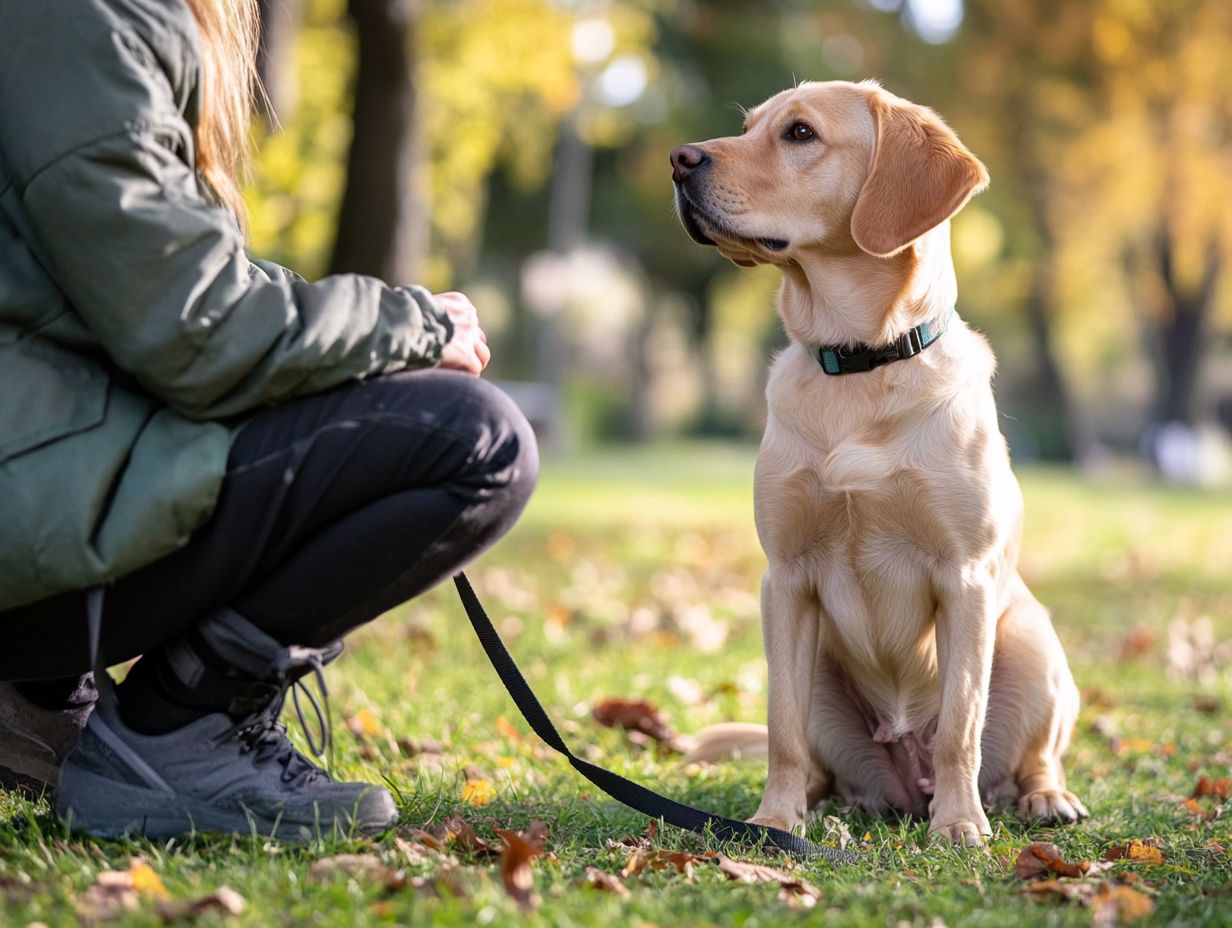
(422, 641)
(478, 792)
(644, 840)
(641, 860)
(1122, 746)
(420, 851)
(1206, 786)
(1036, 860)
(507, 730)
(110, 895)
(145, 880)
(536, 832)
(604, 881)
(706, 633)
(117, 891)
(1139, 642)
(515, 868)
(837, 831)
(224, 900)
(460, 834)
(686, 689)
(1198, 811)
(352, 865)
(1116, 905)
(413, 746)
(1192, 652)
(1136, 851)
(634, 715)
(364, 725)
(791, 887)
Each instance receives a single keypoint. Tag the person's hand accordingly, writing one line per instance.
(468, 349)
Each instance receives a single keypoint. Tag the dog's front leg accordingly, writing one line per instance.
(966, 637)
(789, 629)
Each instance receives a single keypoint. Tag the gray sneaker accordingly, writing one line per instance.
(34, 741)
(209, 776)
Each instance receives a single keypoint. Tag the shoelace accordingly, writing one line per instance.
(263, 734)
(261, 731)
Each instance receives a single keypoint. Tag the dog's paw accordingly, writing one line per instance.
(1051, 807)
(770, 821)
(961, 834)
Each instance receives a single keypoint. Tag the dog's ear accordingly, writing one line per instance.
(921, 176)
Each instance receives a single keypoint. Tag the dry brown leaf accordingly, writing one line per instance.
(643, 859)
(1136, 851)
(607, 882)
(1118, 905)
(413, 746)
(1138, 643)
(110, 896)
(224, 900)
(1206, 786)
(634, 715)
(791, 888)
(536, 832)
(117, 891)
(424, 850)
(515, 868)
(461, 835)
(645, 840)
(356, 866)
(352, 865)
(1037, 860)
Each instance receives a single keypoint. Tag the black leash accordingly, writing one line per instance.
(626, 791)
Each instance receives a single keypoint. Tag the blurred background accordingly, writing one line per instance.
(517, 150)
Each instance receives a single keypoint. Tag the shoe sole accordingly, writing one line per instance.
(105, 808)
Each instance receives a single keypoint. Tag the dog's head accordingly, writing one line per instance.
(832, 167)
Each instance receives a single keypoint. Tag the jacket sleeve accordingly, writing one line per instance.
(95, 139)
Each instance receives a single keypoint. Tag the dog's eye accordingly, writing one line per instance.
(799, 132)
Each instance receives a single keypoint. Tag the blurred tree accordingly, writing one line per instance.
(1111, 123)
(383, 222)
(1020, 87)
(1149, 178)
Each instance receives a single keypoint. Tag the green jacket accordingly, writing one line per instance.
(134, 331)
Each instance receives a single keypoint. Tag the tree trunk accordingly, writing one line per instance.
(1070, 436)
(383, 223)
(1180, 337)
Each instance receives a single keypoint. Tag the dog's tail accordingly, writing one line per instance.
(727, 739)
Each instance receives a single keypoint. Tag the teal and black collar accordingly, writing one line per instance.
(852, 359)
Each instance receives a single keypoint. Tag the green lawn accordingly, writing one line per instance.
(624, 566)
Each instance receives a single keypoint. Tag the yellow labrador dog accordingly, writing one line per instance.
(910, 667)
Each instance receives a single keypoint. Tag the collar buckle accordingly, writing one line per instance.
(855, 359)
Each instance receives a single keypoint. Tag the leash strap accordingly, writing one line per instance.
(631, 794)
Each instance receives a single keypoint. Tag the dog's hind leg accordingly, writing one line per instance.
(1032, 707)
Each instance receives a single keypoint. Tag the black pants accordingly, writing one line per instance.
(334, 509)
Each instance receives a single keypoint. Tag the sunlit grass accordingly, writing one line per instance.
(598, 592)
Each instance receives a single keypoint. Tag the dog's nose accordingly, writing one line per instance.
(684, 160)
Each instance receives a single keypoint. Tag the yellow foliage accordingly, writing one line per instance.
(478, 792)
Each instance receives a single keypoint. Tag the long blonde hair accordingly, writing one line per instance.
(230, 33)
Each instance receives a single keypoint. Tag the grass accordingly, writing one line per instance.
(624, 561)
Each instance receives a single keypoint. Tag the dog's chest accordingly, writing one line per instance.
(863, 557)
